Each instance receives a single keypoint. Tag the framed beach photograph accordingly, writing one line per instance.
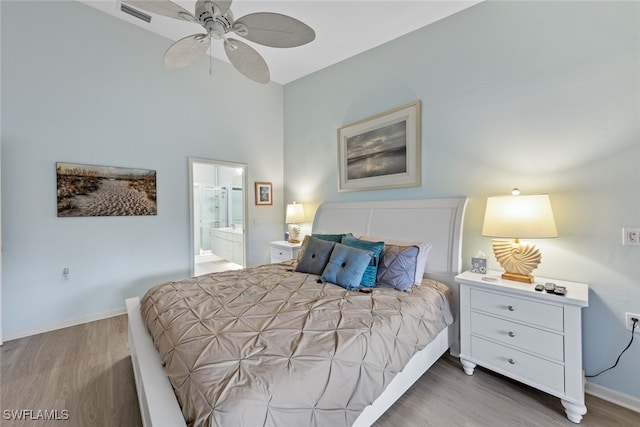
(88, 190)
(382, 151)
(264, 193)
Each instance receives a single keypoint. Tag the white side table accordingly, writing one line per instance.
(533, 337)
(284, 251)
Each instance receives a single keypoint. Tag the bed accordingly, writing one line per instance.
(437, 221)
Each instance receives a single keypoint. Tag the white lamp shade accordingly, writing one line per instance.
(521, 217)
(295, 213)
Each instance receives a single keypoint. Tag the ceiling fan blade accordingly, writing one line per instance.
(164, 8)
(273, 29)
(247, 60)
(186, 51)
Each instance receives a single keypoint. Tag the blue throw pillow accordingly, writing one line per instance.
(315, 257)
(371, 273)
(346, 266)
(398, 267)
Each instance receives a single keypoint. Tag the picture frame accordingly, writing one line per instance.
(382, 151)
(92, 190)
(264, 193)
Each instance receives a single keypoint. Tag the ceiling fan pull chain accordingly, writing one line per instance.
(210, 56)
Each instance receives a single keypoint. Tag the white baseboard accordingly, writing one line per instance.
(205, 258)
(65, 324)
(613, 396)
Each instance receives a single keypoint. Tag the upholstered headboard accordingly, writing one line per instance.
(437, 221)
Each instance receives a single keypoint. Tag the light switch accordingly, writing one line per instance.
(631, 236)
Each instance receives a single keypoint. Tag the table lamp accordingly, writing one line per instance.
(515, 217)
(295, 214)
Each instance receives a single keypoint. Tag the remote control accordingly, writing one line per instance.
(539, 287)
(549, 287)
(560, 290)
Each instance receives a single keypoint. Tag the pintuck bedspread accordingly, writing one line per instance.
(268, 346)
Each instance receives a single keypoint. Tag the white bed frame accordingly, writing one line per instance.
(438, 221)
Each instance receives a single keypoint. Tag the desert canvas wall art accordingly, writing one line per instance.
(88, 190)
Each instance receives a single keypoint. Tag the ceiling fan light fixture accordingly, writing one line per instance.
(240, 29)
(217, 30)
(230, 44)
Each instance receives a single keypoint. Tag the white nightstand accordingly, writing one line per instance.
(530, 336)
(284, 251)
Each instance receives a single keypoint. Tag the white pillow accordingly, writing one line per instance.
(423, 252)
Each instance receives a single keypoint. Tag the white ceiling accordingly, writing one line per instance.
(343, 28)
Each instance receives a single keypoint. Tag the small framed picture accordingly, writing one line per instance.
(264, 193)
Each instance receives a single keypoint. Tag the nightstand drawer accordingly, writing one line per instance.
(537, 372)
(280, 255)
(284, 251)
(522, 310)
(526, 338)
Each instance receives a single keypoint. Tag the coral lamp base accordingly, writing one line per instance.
(528, 278)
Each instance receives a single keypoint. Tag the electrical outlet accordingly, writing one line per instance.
(65, 273)
(631, 236)
(629, 321)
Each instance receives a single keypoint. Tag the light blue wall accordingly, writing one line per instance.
(543, 96)
(84, 87)
(540, 95)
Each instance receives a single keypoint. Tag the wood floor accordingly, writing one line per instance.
(86, 371)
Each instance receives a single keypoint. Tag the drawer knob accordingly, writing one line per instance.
(511, 361)
(511, 308)
(511, 334)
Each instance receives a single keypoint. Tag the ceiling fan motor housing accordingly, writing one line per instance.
(217, 24)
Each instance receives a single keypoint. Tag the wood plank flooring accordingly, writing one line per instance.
(446, 396)
(86, 370)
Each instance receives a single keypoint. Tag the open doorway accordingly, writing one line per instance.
(217, 197)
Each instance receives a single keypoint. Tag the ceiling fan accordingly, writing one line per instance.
(265, 28)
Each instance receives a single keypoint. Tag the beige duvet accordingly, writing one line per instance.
(267, 346)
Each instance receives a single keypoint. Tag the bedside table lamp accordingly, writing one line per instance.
(295, 214)
(517, 217)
